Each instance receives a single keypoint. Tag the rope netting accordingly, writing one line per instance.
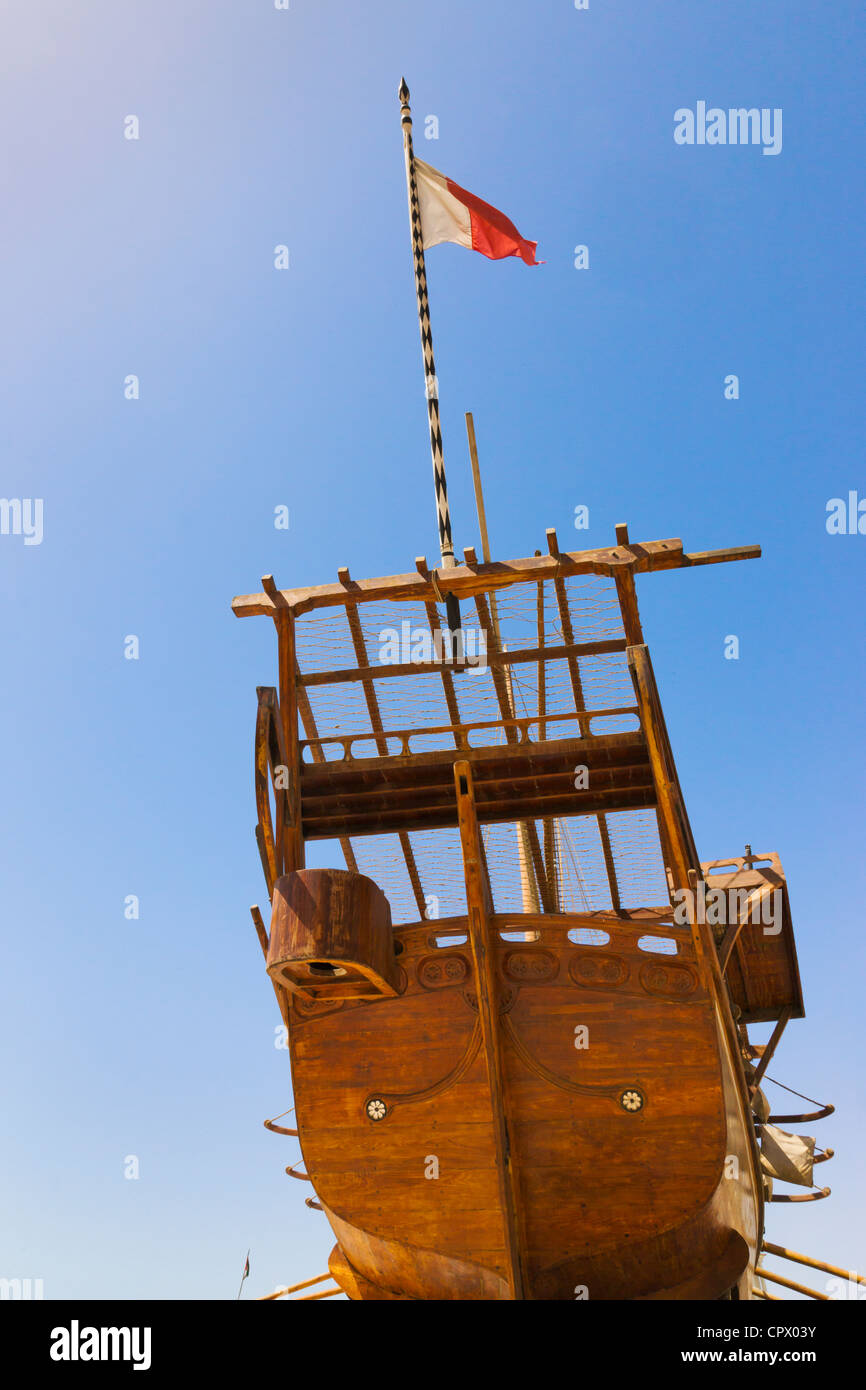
(528, 616)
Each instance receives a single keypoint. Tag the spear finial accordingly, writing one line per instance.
(405, 113)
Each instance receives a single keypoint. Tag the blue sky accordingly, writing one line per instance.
(602, 387)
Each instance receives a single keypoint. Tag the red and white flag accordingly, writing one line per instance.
(449, 213)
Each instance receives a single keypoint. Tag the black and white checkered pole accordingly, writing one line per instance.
(452, 607)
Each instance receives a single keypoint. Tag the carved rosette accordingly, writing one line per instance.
(440, 972)
(672, 981)
(598, 969)
(531, 967)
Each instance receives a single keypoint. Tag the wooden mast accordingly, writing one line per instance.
(431, 384)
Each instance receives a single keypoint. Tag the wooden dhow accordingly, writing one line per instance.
(518, 1031)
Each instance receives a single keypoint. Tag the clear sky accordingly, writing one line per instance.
(258, 387)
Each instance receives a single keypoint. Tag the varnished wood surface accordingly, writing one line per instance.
(627, 1203)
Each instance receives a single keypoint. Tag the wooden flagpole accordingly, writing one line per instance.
(446, 546)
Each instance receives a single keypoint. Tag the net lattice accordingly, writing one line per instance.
(529, 617)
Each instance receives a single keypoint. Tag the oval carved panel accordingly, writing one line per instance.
(599, 970)
(530, 967)
(673, 981)
(438, 972)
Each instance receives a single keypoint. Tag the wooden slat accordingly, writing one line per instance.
(493, 783)
(636, 798)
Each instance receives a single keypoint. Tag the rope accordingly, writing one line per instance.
(823, 1104)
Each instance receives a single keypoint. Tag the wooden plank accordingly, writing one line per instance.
(337, 798)
(597, 750)
(486, 982)
(636, 798)
(722, 557)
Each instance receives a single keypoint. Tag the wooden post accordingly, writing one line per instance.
(486, 983)
(293, 852)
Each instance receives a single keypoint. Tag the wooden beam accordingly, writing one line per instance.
(785, 1254)
(721, 557)
(762, 1273)
(486, 985)
(262, 934)
(767, 1055)
(497, 658)
(293, 851)
(548, 830)
(465, 581)
(627, 596)
(293, 1288)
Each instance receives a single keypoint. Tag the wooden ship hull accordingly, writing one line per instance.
(521, 1068)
